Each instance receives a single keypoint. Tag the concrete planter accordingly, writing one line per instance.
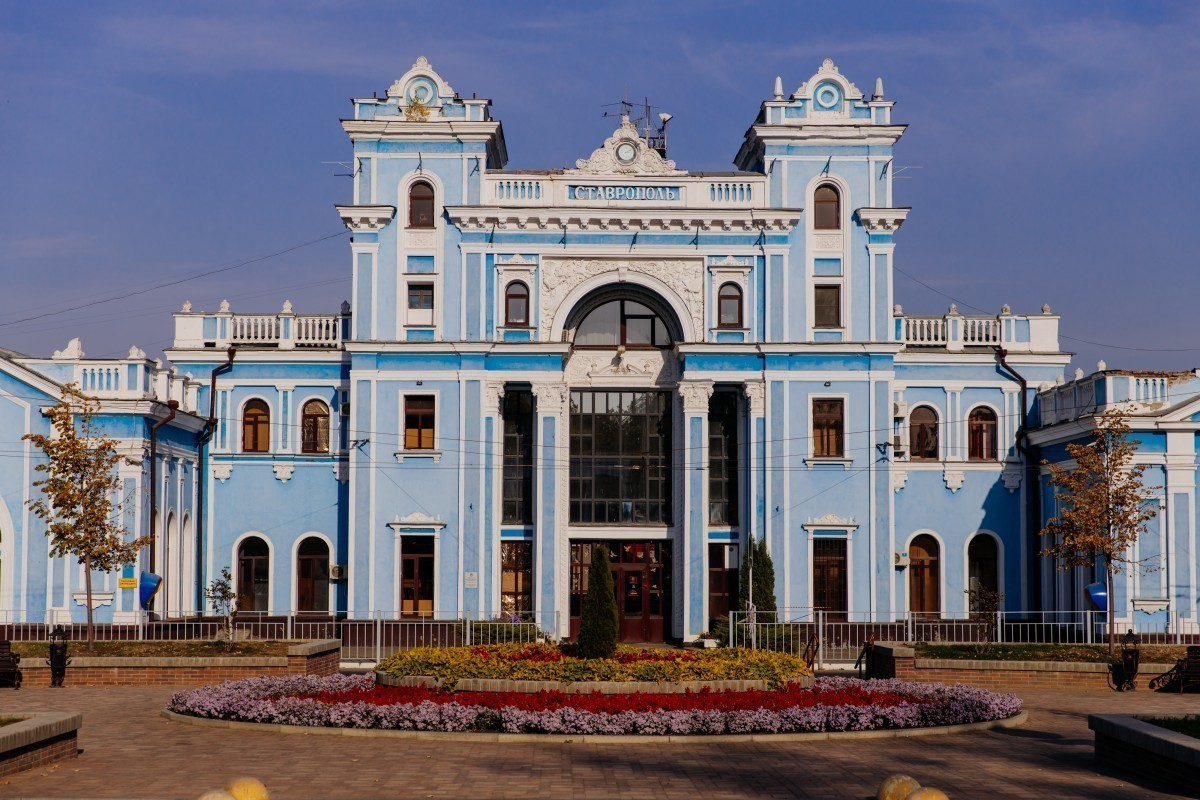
(1127, 742)
(39, 738)
(320, 657)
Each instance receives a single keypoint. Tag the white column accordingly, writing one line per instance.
(694, 397)
(551, 462)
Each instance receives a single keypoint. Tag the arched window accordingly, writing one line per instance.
(924, 576)
(622, 322)
(827, 208)
(312, 575)
(981, 435)
(516, 305)
(729, 306)
(256, 427)
(420, 205)
(253, 575)
(314, 427)
(982, 573)
(923, 434)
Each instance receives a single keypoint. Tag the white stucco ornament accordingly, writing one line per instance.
(136, 353)
(625, 153)
(74, 349)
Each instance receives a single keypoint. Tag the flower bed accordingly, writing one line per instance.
(835, 704)
(547, 662)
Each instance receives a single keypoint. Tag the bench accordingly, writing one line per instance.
(10, 669)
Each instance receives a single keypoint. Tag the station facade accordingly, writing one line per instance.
(623, 353)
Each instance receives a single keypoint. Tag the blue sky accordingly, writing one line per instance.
(142, 143)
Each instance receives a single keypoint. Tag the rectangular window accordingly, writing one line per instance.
(620, 458)
(723, 459)
(418, 423)
(517, 491)
(827, 306)
(516, 577)
(420, 296)
(722, 581)
(829, 428)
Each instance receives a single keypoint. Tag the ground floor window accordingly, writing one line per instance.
(829, 576)
(722, 581)
(641, 582)
(416, 576)
(312, 576)
(254, 575)
(924, 576)
(516, 577)
(982, 567)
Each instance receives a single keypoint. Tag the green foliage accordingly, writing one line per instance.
(223, 599)
(763, 593)
(598, 621)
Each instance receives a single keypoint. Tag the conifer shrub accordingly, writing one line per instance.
(598, 618)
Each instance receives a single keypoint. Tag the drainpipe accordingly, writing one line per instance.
(1033, 512)
(173, 405)
(202, 438)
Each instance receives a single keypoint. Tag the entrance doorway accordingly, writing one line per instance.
(641, 581)
(416, 576)
(829, 577)
(924, 578)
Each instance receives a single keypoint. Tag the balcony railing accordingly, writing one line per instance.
(283, 331)
(954, 331)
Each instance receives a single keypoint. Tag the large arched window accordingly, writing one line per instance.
(314, 427)
(253, 575)
(420, 205)
(981, 435)
(729, 306)
(923, 434)
(622, 322)
(982, 568)
(256, 427)
(924, 576)
(516, 305)
(827, 208)
(312, 575)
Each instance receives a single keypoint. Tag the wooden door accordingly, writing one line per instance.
(416, 576)
(829, 577)
(924, 577)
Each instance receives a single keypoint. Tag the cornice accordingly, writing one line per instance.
(402, 129)
(366, 219)
(480, 218)
(882, 220)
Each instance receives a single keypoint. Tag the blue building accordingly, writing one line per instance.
(624, 353)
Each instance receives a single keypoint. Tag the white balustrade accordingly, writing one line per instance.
(981, 331)
(925, 331)
(1150, 389)
(733, 192)
(318, 331)
(509, 190)
(254, 330)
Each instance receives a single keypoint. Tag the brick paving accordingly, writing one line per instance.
(131, 752)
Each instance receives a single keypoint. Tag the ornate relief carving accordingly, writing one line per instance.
(603, 160)
(74, 349)
(493, 395)
(695, 396)
(417, 519)
(953, 478)
(560, 277)
(827, 241)
(366, 219)
(222, 471)
(424, 239)
(830, 521)
(899, 478)
(551, 397)
(756, 397)
(283, 472)
(636, 368)
(1012, 475)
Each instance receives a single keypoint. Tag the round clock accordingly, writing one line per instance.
(626, 153)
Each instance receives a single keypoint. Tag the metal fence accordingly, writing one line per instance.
(368, 639)
(838, 636)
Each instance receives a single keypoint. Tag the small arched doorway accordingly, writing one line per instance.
(983, 576)
(312, 576)
(253, 576)
(924, 576)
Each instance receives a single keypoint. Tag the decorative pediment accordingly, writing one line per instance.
(830, 521)
(827, 74)
(418, 520)
(421, 83)
(517, 260)
(625, 153)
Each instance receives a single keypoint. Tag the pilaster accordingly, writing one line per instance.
(550, 493)
(694, 402)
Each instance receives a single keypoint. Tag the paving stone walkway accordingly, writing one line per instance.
(131, 752)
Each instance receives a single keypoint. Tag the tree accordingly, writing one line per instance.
(78, 493)
(758, 564)
(598, 623)
(223, 599)
(1104, 506)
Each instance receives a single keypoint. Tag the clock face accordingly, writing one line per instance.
(626, 152)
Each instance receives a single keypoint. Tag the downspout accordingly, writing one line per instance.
(173, 405)
(202, 438)
(1033, 508)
